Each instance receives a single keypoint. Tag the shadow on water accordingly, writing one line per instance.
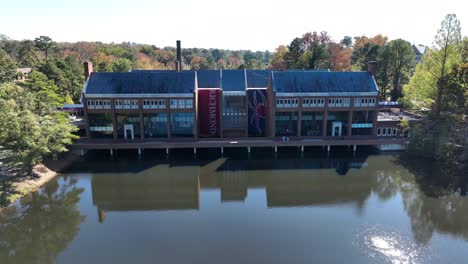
(41, 225)
(435, 178)
(123, 161)
(434, 198)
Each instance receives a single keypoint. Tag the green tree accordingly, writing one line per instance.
(10, 47)
(464, 50)
(27, 56)
(447, 38)
(382, 75)
(425, 88)
(401, 57)
(295, 51)
(455, 96)
(122, 65)
(44, 44)
(67, 74)
(347, 41)
(362, 55)
(421, 90)
(7, 67)
(32, 127)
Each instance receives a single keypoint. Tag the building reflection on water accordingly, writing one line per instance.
(287, 183)
(162, 188)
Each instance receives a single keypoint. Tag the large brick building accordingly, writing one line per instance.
(155, 105)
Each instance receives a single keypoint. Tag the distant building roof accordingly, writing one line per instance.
(151, 82)
(419, 49)
(322, 82)
(23, 70)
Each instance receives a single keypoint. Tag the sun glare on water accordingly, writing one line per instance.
(390, 247)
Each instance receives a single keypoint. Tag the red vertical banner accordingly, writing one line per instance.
(257, 112)
(208, 112)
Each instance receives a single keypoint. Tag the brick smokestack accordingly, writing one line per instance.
(179, 57)
(372, 67)
(88, 68)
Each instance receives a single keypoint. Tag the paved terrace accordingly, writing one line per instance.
(230, 143)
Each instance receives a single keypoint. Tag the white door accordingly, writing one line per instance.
(128, 131)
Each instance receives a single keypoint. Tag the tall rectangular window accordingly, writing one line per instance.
(173, 103)
(234, 111)
(162, 104)
(130, 123)
(100, 125)
(155, 125)
(286, 123)
(189, 103)
(181, 103)
(182, 124)
(311, 123)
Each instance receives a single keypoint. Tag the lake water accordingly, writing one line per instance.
(366, 208)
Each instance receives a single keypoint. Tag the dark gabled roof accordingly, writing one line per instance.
(293, 81)
(152, 82)
(209, 78)
(322, 82)
(258, 78)
(233, 80)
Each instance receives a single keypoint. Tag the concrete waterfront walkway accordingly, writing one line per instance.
(227, 143)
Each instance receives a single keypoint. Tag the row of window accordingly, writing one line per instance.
(126, 104)
(154, 104)
(147, 104)
(318, 102)
(188, 103)
(363, 102)
(387, 132)
(99, 104)
(338, 102)
(287, 103)
(181, 103)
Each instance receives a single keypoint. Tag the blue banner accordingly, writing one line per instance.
(257, 112)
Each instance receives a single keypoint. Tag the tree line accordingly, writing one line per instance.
(313, 50)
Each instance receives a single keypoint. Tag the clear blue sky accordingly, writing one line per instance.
(240, 24)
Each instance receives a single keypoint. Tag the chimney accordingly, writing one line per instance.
(179, 57)
(372, 67)
(88, 68)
